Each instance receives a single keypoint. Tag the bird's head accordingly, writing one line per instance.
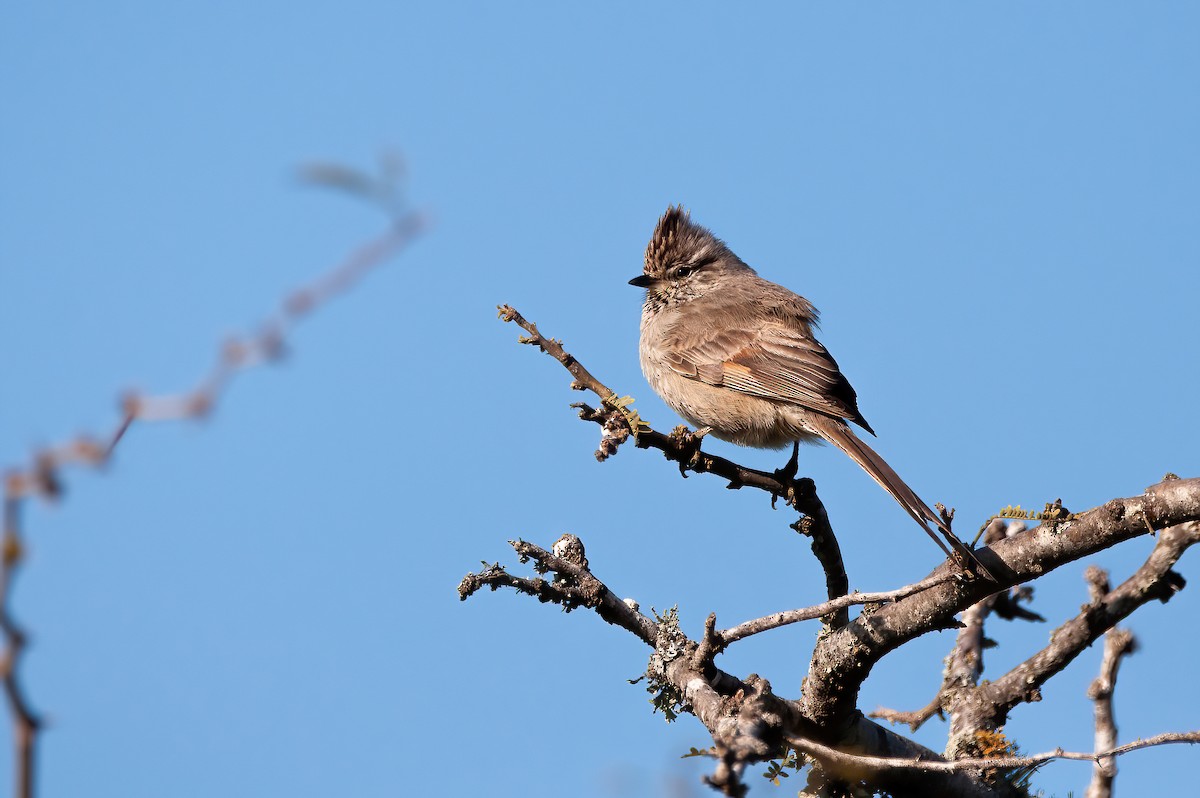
(684, 260)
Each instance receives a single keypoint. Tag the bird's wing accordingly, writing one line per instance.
(770, 358)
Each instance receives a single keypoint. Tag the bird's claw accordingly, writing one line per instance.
(787, 474)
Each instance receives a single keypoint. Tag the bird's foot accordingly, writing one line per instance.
(787, 476)
(788, 473)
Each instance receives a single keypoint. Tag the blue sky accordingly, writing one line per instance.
(994, 206)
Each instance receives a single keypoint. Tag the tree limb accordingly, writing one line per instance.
(749, 723)
(1154, 580)
(579, 588)
(842, 660)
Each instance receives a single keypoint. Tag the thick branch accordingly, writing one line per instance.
(964, 665)
(843, 660)
(1153, 581)
(748, 722)
(825, 547)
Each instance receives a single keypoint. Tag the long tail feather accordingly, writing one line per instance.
(840, 435)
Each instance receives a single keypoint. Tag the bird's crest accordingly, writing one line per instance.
(677, 239)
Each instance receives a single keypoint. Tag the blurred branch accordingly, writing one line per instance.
(913, 719)
(42, 476)
(26, 722)
(1118, 643)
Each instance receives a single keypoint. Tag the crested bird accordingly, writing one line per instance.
(736, 356)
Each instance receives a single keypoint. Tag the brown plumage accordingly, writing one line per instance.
(734, 353)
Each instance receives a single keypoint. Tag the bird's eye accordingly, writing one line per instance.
(685, 269)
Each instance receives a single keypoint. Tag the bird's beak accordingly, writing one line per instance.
(642, 281)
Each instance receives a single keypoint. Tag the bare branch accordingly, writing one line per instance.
(26, 722)
(1154, 580)
(906, 768)
(827, 551)
(880, 764)
(748, 723)
(778, 619)
(577, 588)
(843, 659)
(745, 718)
(1097, 582)
(964, 665)
(1118, 643)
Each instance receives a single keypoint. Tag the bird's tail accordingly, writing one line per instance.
(840, 435)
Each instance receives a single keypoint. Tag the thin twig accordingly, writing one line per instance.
(680, 448)
(579, 588)
(878, 763)
(26, 722)
(776, 620)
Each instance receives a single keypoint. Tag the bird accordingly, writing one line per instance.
(736, 356)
